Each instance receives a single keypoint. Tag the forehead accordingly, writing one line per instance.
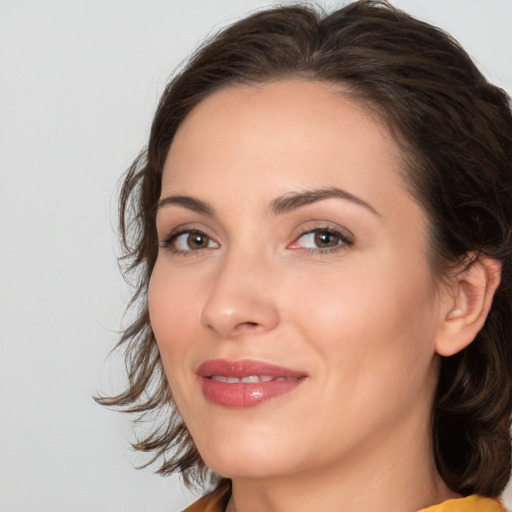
(307, 107)
(268, 138)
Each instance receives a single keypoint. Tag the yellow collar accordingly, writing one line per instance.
(217, 502)
(472, 503)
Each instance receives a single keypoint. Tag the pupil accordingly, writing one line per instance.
(325, 239)
(197, 241)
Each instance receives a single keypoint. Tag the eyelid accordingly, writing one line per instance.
(184, 229)
(344, 235)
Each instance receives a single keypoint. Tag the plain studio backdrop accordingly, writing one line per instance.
(79, 82)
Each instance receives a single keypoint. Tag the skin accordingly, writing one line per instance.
(363, 319)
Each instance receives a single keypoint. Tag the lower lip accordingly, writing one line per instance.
(245, 394)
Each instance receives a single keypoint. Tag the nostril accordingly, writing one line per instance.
(247, 326)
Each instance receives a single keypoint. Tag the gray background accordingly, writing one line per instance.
(79, 81)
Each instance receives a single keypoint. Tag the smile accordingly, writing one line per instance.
(245, 383)
(250, 379)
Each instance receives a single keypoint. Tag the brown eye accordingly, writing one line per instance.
(326, 239)
(322, 240)
(197, 241)
(188, 241)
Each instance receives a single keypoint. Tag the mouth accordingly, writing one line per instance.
(250, 379)
(246, 383)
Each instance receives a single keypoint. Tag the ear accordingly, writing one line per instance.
(470, 293)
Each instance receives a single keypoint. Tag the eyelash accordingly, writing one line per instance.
(343, 241)
(167, 243)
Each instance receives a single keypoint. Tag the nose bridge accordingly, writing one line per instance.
(240, 298)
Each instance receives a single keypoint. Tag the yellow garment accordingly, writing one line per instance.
(470, 504)
(218, 500)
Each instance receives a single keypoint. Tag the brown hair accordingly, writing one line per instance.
(455, 131)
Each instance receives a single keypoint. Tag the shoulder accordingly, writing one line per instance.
(472, 503)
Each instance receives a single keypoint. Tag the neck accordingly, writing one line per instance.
(396, 474)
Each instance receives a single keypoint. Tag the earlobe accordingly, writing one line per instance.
(471, 293)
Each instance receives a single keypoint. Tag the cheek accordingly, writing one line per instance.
(373, 347)
(368, 316)
(174, 315)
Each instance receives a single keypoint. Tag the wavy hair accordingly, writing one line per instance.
(455, 132)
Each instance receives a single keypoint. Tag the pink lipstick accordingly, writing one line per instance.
(245, 383)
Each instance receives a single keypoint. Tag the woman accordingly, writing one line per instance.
(322, 220)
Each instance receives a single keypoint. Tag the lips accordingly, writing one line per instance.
(245, 383)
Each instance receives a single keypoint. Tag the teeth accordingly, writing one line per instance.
(219, 378)
(249, 379)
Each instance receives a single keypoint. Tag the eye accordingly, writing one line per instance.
(188, 241)
(321, 239)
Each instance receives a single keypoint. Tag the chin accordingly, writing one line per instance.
(235, 467)
(247, 457)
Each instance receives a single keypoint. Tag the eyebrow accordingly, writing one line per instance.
(283, 204)
(295, 200)
(191, 203)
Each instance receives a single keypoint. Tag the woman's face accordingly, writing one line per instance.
(292, 301)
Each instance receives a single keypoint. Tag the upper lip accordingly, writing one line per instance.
(245, 368)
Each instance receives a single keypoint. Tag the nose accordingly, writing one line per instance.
(241, 299)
